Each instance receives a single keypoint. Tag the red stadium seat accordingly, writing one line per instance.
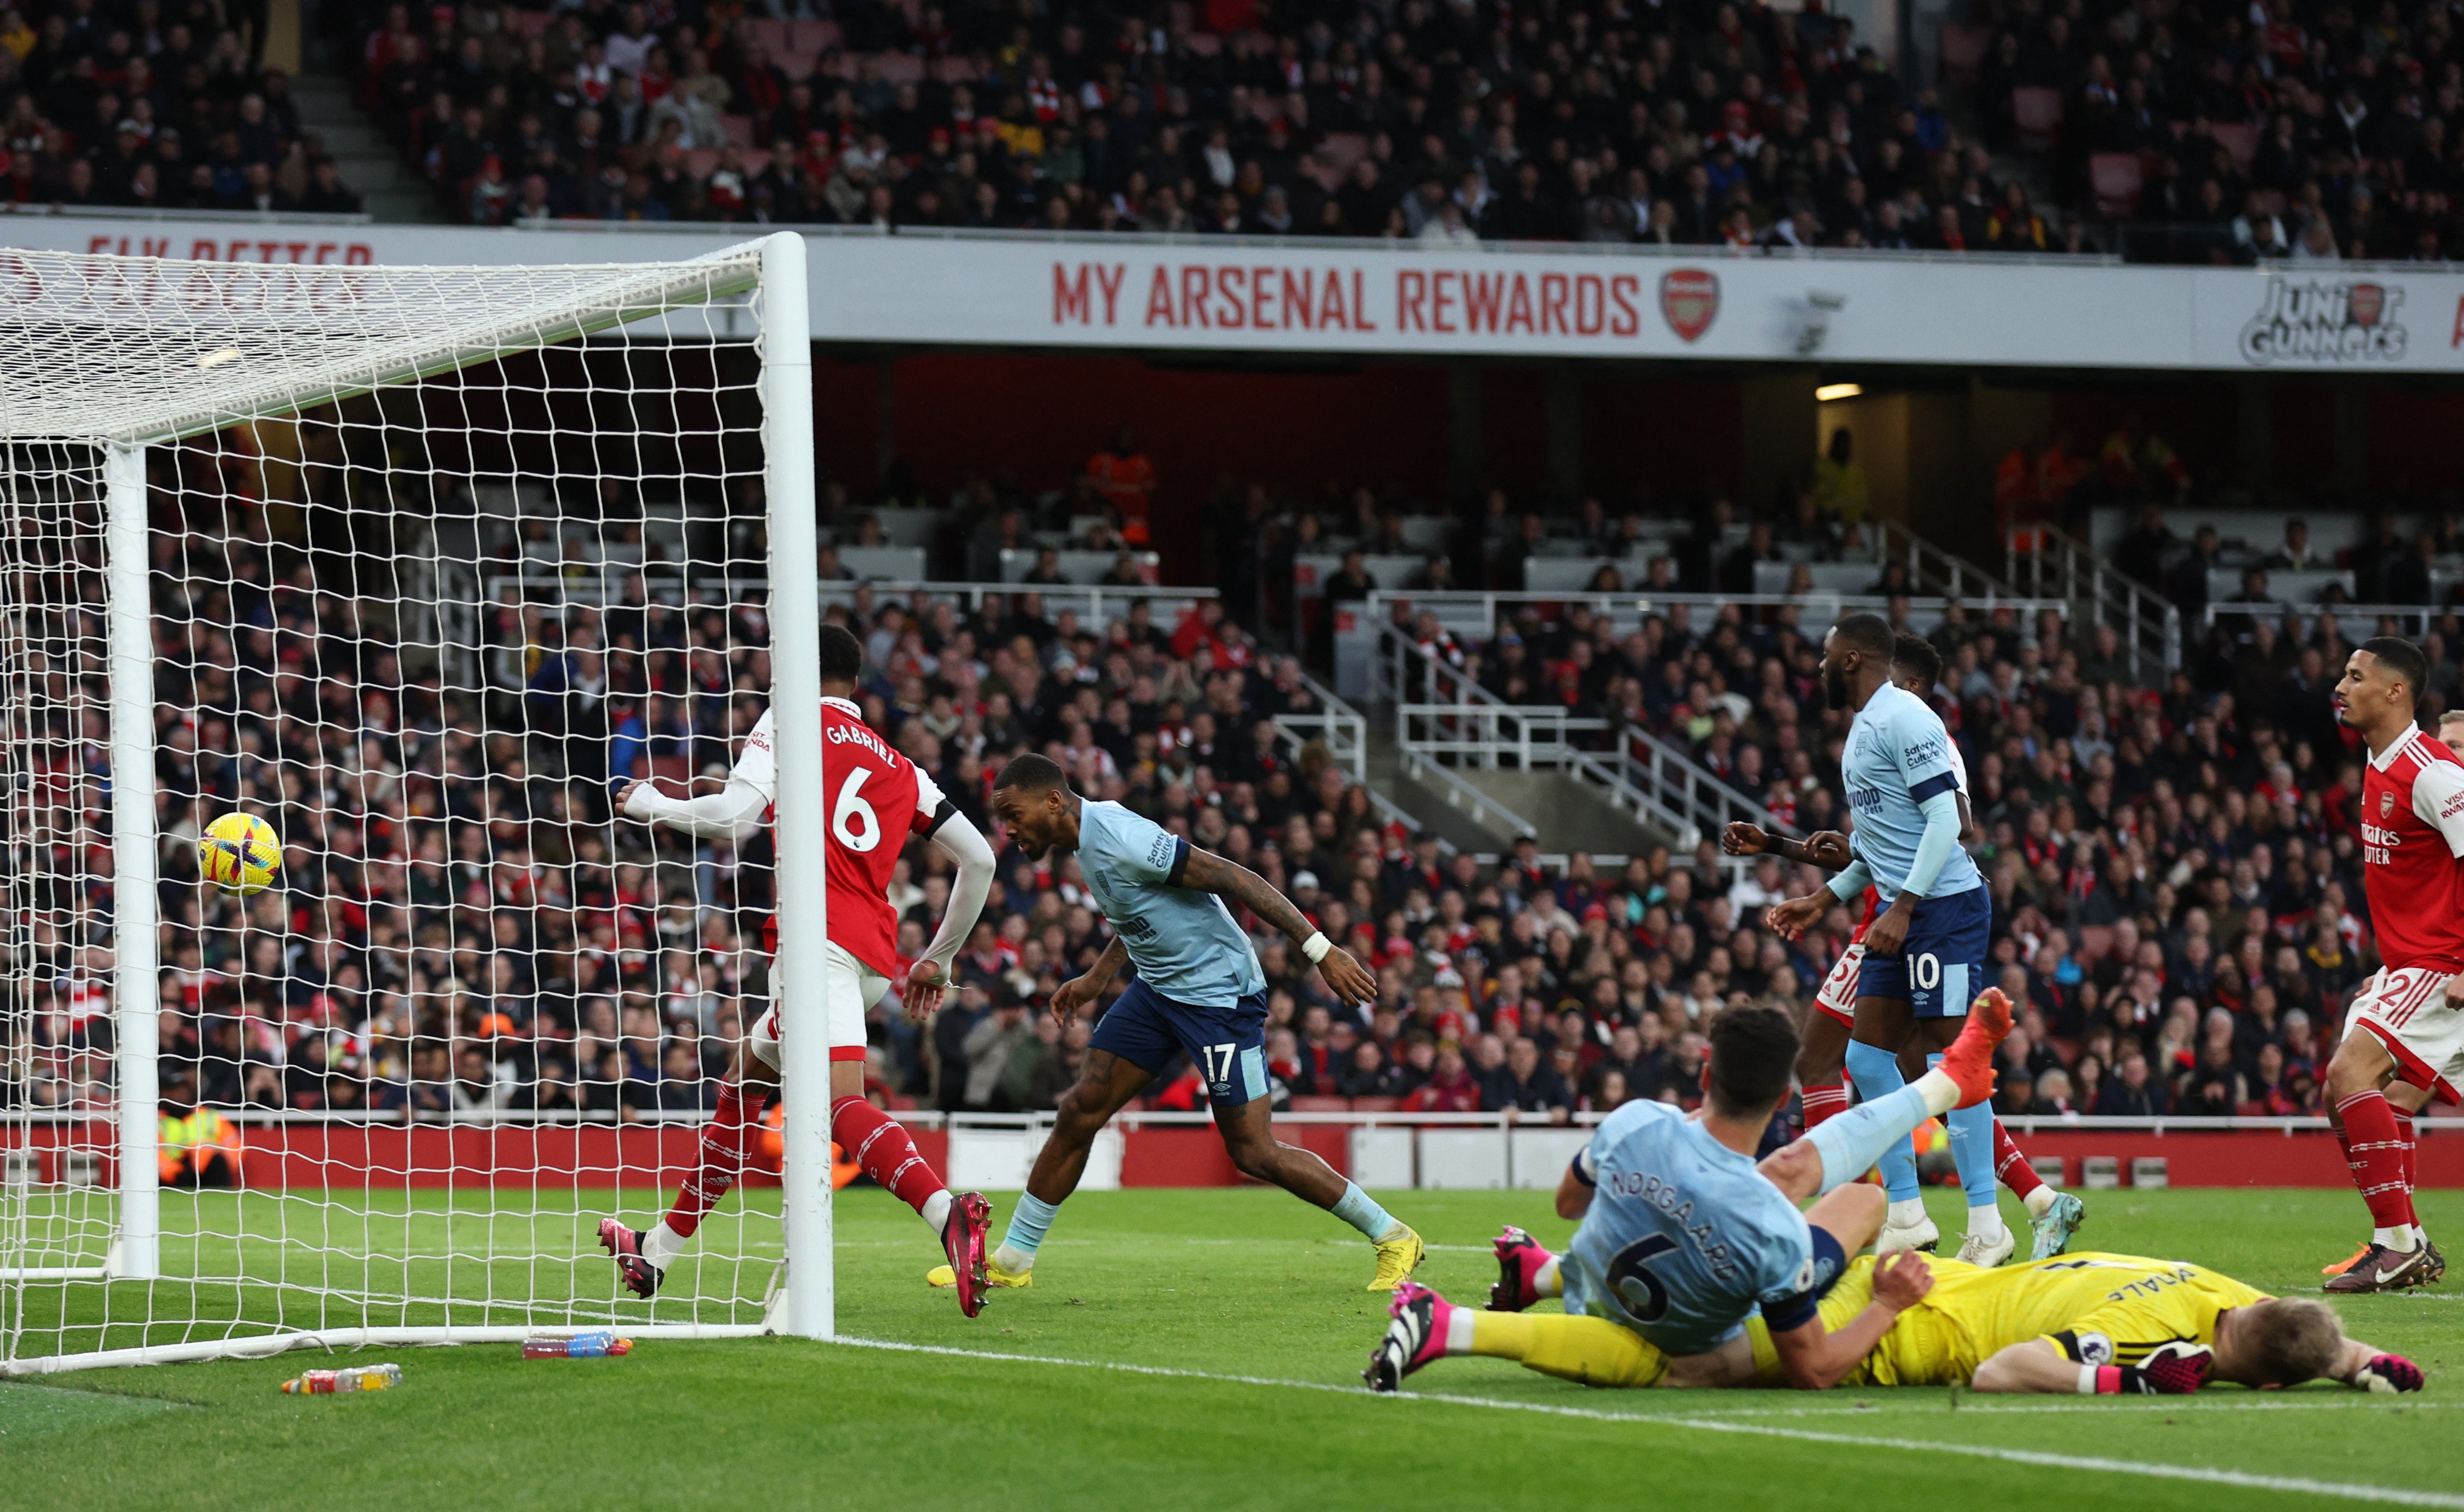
(1375, 1104)
(1321, 1105)
(2241, 141)
(2116, 178)
(1963, 49)
(772, 34)
(2038, 114)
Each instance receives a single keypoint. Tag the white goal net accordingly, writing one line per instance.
(415, 565)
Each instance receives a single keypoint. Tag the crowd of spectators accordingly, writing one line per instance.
(2177, 895)
(2280, 128)
(1705, 125)
(459, 926)
(153, 104)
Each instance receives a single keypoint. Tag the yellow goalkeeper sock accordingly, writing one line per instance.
(1593, 1351)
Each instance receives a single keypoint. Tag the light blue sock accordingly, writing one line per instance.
(1853, 1142)
(1028, 1223)
(1876, 1071)
(1971, 1145)
(1361, 1211)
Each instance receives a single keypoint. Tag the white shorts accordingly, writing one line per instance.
(2408, 1012)
(1837, 995)
(849, 987)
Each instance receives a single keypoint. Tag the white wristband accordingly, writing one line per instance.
(2087, 1380)
(1316, 945)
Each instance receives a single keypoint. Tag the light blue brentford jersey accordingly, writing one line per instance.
(1899, 754)
(1685, 1239)
(1185, 943)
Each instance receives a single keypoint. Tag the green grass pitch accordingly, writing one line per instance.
(1257, 1302)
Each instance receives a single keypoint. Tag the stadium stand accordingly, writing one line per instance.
(2196, 137)
(153, 106)
(1742, 126)
(2174, 868)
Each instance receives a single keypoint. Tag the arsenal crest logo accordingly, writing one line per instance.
(1690, 300)
(2368, 303)
(2387, 804)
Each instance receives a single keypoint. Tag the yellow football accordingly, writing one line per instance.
(239, 853)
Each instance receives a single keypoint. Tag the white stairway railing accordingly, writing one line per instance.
(1445, 719)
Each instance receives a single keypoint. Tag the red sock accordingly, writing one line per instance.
(1824, 1100)
(879, 1144)
(2404, 1132)
(2375, 1155)
(723, 1158)
(2012, 1167)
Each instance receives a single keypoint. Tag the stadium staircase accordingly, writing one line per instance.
(2047, 563)
(366, 161)
(1483, 773)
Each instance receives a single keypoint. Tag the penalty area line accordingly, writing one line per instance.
(2400, 1496)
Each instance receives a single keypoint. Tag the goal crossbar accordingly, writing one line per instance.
(242, 340)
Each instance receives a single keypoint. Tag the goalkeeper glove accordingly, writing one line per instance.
(2388, 1373)
(2169, 1369)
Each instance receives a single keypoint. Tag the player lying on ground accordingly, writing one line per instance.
(1926, 953)
(2406, 1024)
(1199, 990)
(1685, 1235)
(2053, 1217)
(877, 798)
(2091, 1323)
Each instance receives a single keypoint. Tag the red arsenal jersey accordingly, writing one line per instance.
(2412, 835)
(872, 798)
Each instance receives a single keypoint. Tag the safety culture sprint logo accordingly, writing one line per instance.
(2311, 320)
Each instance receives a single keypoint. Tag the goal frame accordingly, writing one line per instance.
(806, 1308)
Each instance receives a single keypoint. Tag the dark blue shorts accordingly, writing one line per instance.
(1941, 966)
(1228, 1045)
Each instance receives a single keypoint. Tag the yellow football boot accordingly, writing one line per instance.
(994, 1276)
(1398, 1254)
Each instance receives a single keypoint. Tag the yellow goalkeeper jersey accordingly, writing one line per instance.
(2101, 1309)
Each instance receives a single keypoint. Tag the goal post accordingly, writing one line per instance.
(135, 925)
(804, 1059)
(419, 566)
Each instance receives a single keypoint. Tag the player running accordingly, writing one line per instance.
(2053, 1217)
(2091, 1324)
(877, 798)
(2406, 1024)
(1925, 951)
(1198, 990)
(1685, 1235)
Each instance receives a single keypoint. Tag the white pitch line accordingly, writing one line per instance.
(2401, 1495)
